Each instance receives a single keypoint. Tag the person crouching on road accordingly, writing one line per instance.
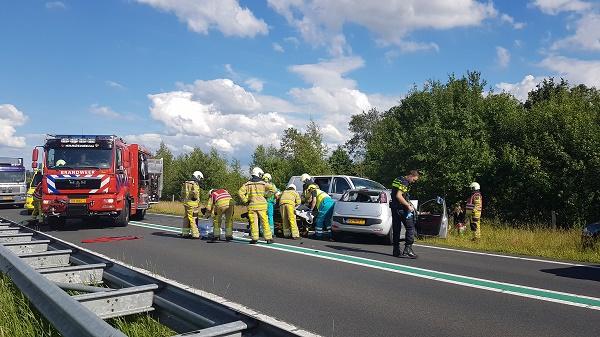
(288, 201)
(190, 195)
(253, 193)
(220, 203)
(474, 208)
(271, 201)
(403, 213)
(36, 215)
(321, 202)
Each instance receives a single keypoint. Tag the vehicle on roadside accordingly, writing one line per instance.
(13, 183)
(337, 185)
(94, 176)
(364, 211)
(37, 177)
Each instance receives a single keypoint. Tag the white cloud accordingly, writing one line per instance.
(586, 37)
(321, 22)
(11, 117)
(278, 48)
(502, 57)
(520, 89)
(227, 16)
(510, 20)
(104, 111)
(114, 84)
(255, 84)
(554, 7)
(55, 5)
(576, 71)
(329, 73)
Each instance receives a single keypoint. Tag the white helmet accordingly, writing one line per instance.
(210, 191)
(304, 177)
(257, 172)
(267, 177)
(475, 186)
(198, 175)
(291, 187)
(61, 162)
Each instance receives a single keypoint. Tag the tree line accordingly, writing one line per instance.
(531, 158)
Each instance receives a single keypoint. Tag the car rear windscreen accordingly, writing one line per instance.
(361, 196)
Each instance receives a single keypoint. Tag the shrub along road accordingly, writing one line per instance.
(358, 289)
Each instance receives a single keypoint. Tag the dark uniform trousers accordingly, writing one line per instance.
(399, 219)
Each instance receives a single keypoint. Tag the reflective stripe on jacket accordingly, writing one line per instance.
(37, 193)
(289, 197)
(218, 198)
(475, 202)
(253, 193)
(190, 191)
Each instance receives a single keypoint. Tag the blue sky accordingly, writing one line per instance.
(233, 74)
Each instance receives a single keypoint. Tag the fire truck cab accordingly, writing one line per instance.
(94, 176)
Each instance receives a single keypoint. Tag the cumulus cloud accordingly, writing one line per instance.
(554, 7)
(502, 57)
(255, 84)
(11, 117)
(520, 89)
(586, 37)
(56, 5)
(575, 71)
(278, 48)
(227, 16)
(321, 22)
(511, 21)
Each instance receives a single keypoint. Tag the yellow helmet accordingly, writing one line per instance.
(267, 177)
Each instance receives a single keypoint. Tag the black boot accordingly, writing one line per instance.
(270, 241)
(253, 242)
(396, 252)
(408, 252)
(228, 238)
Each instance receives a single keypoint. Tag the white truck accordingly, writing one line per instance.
(13, 184)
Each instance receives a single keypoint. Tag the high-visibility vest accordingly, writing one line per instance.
(253, 192)
(475, 202)
(321, 195)
(37, 193)
(219, 198)
(289, 197)
(190, 191)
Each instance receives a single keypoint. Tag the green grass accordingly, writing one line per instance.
(18, 318)
(528, 240)
(176, 208)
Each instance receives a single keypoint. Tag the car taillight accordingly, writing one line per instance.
(383, 198)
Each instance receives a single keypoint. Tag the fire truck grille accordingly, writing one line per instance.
(77, 210)
(77, 183)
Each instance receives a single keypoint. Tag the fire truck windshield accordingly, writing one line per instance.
(12, 176)
(76, 158)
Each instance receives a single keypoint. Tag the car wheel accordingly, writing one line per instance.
(389, 238)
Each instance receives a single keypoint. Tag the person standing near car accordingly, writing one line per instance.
(321, 202)
(474, 208)
(289, 200)
(403, 214)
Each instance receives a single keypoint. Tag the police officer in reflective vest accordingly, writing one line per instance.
(220, 203)
(190, 195)
(403, 213)
(474, 208)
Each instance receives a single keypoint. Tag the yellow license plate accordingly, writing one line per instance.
(77, 201)
(355, 221)
(7, 198)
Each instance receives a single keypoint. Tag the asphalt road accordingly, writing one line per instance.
(309, 284)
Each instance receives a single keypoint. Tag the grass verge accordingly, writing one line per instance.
(533, 241)
(176, 208)
(18, 318)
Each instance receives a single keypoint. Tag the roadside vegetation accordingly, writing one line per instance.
(18, 318)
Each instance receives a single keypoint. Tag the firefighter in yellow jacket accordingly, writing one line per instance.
(190, 195)
(288, 201)
(253, 193)
(474, 208)
(220, 203)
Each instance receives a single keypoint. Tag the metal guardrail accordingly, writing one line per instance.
(40, 265)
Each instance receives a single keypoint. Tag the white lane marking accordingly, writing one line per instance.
(532, 259)
(269, 319)
(506, 256)
(451, 278)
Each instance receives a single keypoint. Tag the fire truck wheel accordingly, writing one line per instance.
(122, 219)
(139, 215)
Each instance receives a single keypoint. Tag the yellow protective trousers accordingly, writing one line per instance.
(474, 219)
(189, 222)
(253, 217)
(37, 210)
(220, 211)
(288, 215)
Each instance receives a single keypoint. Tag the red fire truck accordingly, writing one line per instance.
(95, 176)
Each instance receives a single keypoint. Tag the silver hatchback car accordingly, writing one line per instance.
(364, 211)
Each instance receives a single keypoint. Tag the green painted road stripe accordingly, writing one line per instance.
(507, 288)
